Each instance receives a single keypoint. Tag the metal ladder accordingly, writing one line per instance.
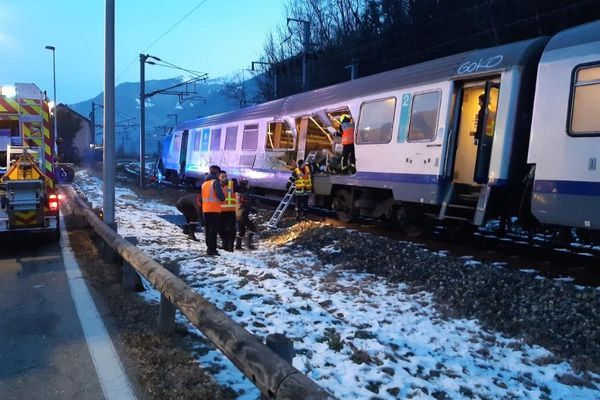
(287, 199)
(285, 203)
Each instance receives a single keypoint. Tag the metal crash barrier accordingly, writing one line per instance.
(270, 373)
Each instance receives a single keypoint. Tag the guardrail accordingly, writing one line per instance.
(271, 374)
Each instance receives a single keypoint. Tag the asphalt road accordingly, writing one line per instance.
(43, 351)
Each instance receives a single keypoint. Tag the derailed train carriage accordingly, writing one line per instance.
(499, 132)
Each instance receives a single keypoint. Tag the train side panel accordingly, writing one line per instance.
(391, 158)
(565, 135)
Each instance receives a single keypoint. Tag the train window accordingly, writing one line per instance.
(584, 116)
(197, 140)
(279, 136)
(424, 116)
(376, 120)
(205, 139)
(250, 137)
(231, 137)
(215, 139)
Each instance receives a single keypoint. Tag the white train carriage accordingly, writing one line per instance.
(429, 150)
(424, 142)
(565, 132)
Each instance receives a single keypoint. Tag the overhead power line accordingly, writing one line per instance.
(167, 64)
(161, 36)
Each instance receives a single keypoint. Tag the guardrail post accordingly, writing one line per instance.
(166, 311)
(110, 255)
(131, 280)
(282, 346)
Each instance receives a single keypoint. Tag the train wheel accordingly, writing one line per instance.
(416, 223)
(416, 229)
(342, 204)
(460, 229)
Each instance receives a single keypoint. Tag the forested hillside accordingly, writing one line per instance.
(379, 35)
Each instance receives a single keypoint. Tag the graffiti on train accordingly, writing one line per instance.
(469, 67)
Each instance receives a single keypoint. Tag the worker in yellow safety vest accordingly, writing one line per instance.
(228, 208)
(212, 198)
(302, 176)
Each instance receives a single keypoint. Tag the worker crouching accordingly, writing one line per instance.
(190, 206)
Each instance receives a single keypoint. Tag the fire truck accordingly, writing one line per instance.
(29, 202)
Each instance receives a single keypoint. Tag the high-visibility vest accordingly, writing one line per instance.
(307, 179)
(347, 133)
(299, 180)
(230, 202)
(210, 201)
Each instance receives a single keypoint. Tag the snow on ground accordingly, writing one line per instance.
(355, 334)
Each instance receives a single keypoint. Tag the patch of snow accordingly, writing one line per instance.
(355, 334)
(565, 279)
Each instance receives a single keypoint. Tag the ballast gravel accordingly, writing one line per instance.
(557, 315)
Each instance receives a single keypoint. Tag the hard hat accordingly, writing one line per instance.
(344, 117)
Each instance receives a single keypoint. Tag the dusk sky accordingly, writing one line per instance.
(220, 38)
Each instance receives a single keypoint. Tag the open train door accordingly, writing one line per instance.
(465, 200)
(486, 126)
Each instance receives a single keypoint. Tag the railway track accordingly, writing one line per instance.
(568, 261)
(580, 264)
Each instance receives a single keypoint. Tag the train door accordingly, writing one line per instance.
(183, 143)
(476, 126)
(486, 127)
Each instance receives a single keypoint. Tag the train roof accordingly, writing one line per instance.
(582, 34)
(459, 66)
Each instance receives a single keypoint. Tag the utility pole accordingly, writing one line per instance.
(143, 58)
(353, 67)
(93, 118)
(273, 70)
(305, 50)
(108, 169)
(143, 96)
(305, 82)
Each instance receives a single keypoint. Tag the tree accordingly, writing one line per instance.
(385, 34)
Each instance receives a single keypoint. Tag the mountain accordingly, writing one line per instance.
(162, 110)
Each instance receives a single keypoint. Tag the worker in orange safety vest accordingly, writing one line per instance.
(347, 131)
(212, 199)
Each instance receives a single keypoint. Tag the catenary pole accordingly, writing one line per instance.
(93, 118)
(143, 58)
(305, 82)
(108, 170)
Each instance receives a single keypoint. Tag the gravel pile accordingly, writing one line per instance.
(554, 314)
